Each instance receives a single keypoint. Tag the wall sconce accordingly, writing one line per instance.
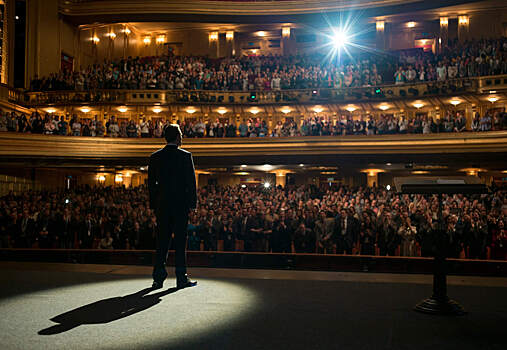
(411, 24)
(213, 36)
(473, 171)
(444, 21)
(147, 40)
(463, 20)
(229, 35)
(118, 178)
(111, 35)
(372, 172)
(285, 32)
(160, 39)
(95, 39)
(126, 31)
(380, 26)
(101, 178)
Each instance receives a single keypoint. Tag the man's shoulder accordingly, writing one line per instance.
(161, 152)
(184, 151)
(157, 153)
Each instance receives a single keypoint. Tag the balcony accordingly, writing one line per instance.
(464, 148)
(472, 90)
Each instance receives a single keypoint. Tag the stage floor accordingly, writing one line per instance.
(71, 306)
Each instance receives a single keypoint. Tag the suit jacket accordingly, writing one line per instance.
(171, 180)
(352, 230)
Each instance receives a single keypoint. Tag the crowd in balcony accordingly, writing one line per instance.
(384, 124)
(303, 219)
(459, 60)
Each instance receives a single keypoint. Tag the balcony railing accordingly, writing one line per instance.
(417, 90)
(17, 146)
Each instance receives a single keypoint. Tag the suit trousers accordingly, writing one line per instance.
(169, 223)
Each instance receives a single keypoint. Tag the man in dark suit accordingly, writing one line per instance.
(87, 232)
(347, 232)
(172, 187)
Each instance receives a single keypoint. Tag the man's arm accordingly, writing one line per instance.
(153, 181)
(190, 183)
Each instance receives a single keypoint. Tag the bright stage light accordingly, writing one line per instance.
(267, 185)
(102, 310)
(340, 39)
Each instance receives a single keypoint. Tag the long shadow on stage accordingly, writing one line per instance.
(107, 310)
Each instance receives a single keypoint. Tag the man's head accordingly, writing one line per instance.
(172, 134)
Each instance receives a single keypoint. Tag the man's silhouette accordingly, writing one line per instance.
(171, 183)
(106, 310)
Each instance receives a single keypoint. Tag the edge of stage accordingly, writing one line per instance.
(277, 261)
(83, 306)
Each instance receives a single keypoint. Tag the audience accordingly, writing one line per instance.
(302, 219)
(384, 124)
(458, 60)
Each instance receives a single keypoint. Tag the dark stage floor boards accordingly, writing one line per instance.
(71, 306)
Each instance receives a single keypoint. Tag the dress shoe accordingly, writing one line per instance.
(157, 284)
(185, 282)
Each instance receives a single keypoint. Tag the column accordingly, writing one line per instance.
(463, 28)
(281, 177)
(380, 36)
(286, 42)
(7, 68)
(127, 180)
(229, 44)
(213, 44)
(43, 55)
(372, 176)
(197, 176)
(469, 115)
(443, 39)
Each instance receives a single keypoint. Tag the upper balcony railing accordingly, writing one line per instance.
(417, 90)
